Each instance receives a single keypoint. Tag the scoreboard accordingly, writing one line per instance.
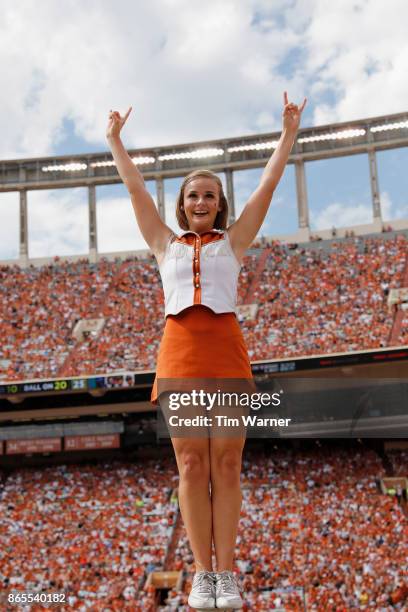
(389, 362)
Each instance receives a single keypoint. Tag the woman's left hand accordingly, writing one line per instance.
(291, 114)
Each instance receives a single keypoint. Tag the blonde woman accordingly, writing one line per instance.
(202, 339)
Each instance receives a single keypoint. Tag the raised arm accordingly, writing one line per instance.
(244, 230)
(154, 230)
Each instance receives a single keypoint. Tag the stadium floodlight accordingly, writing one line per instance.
(138, 161)
(389, 126)
(103, 164)
(73, 167)
(258, 146)
(333, 135)
(197, 154)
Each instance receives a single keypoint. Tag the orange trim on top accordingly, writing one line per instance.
(197, 241)
(206, 237)
(197, 270)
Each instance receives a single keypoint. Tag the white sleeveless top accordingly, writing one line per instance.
(200, 269)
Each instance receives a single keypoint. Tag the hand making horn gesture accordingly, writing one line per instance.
(291, 113)
(116, 123)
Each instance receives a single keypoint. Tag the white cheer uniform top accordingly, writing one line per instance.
(200, 269)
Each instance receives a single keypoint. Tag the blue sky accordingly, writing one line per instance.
(195, 71)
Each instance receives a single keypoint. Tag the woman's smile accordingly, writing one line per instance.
(201, 203)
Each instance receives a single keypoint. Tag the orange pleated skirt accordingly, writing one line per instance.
(199, 343)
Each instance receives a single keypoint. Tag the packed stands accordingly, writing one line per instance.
(403, 336)
(316, 301)
(93, 531)
(331, 530)
(315, 533)
(399, 462)
(315, 298)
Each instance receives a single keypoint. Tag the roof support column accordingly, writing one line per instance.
(301, 191)
(23, 229)
(160, 198)
(230, 195)
(372, 160)
(93, 234)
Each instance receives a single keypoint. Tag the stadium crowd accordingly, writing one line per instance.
(315, 531)
(92, 531)
(399, 462)
(314, 301)
(403, 335)
(333, 543)
(310, 300)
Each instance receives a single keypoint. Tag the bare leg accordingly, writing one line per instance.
(193, 461)
(226, 497)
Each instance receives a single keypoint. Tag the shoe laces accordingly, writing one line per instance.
(229, 583)
(204, 582)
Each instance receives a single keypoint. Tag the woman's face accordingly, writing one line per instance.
(201, 204)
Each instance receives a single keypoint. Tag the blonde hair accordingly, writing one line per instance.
(221, 219)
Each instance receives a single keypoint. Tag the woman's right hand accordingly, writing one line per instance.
(116, 123)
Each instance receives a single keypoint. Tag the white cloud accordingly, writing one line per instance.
(338, 214)
(391, 211)
(245, 183)
(57, 222)
(117, 226)
(190, 71)
(357, 51)
(9, 225)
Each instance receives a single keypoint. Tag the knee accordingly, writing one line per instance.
(194, 467)
(227, 467)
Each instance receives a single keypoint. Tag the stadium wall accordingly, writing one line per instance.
(302, 236)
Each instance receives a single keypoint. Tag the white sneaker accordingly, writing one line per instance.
(227, 593)
(202, 594)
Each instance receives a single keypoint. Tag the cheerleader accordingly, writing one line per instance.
(202, 339)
